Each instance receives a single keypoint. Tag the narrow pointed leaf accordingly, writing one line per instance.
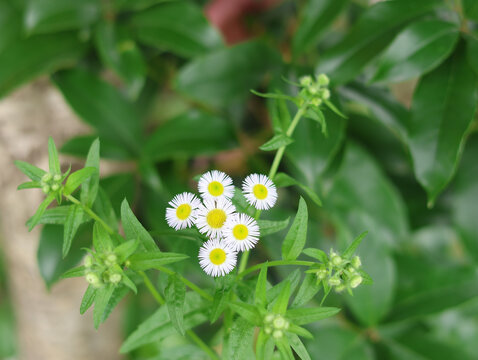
(295, 240)
(30, 170)
(53, 160)
(316, 254)
(75, 272)
(303, 316)
(175, 294)
(298, 346)
(29, 185)
(276, 142)
(284, 180)
(354, 245)
(282, 301)
(307, 290)
(89, 188)
(101, 239)
(247, 311)
(33, 221)
(153, 260)
(269, 227)
(133, 228)
(73, 220)
(77, 178)
(125, 250)
(260, 298)
(88, 299)
(102, 298)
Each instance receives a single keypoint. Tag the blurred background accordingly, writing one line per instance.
(165, 85)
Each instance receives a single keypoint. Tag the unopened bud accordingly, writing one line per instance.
(269, 318)
(323, 80)
(111, 260)
(55, 187)
(340, 288)
(334, 281)
(115, 278)
(355, 281)
(321, 274)
(316, 101)
(325, 94)
(277, 334)
(45, 189)
(88, 261)
(93, 279)
(356, 263)
(336, 260)
(279, 322)
(57, 177)
(268, 330)
(306, 81)
(313, 90)
(45, 178)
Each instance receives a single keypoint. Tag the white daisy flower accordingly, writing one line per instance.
(182, 212)
(259, 191)
(217, 258)
(215, 185)
(212, 216)
(241, 232)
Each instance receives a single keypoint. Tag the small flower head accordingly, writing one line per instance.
(182, 212)
(217, 258)
(323, 80)
(355, 281)
(241, 232)
(93, 279)
(260, 191)
(213, 215)
(356, 263)
(215, 185)
(115, 278)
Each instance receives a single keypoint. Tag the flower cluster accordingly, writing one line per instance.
(102, 269)
(51, 183)
(275, 325)
(314, 91)
(215, 216)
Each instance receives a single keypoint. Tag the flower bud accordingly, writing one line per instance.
(269, 318)
(336, 260)
(334, 281)
(306, 81)
(313, 89)
(93, 279)
(323, 80)
(111, 260)
(88, 261)
(356, 263)
(321, 274)
(355, 281)
(46, 178)
(57, 177)
(316, 101)
(268, 330)
(280, 323)
(115, 278)
(325, 94)
(55, 187)
(340, 288)
(277, 334)
(45, 189)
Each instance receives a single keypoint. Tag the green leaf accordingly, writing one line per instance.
(53, 16)
(316, 254)
(314, 18)
(260, 298)
(53, 159)
(75, 272)
(102, 106)
(284, 348)
(88, 299)
(89, 188)
(30, 170)
(125, 250)
(247, 311)
(240, 342)
(134, 230)
(419, 48)
(103, 208)
(280, 306)
(207, 134)
(317, 115)
(101, 239)
(29, 185)
(299, 330)
(298, 346)
(243, 65)
(278, 141)
(119, 52)
(295, 239)
(189, 37)
(280, 115)
(269, 227)
(110, 149)
(102, 298)
(273, 293)
(158, 325)
(73, 220)
(303, 316)
(153, 260)
(128, 283)
(25, 59)
(34, 220)
(376, 27)
(264, 346)
(471, 9)
(284, 180)
(443, 107)
(175, 294)
(347, 254)
(77, 178)
(219, 303)
(472, 52)
(307, 290)
(276, 96)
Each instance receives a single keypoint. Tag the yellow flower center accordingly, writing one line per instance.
(260, 191)
(183, 211)
(215, 188)
(240, 231)
(217, 256)
(216, 218)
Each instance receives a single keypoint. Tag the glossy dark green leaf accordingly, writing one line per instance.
(295, 239)
(119, 52)
(179, 27)
(49, 16)
(314, 18)
(89, 187)
(175, 294)
(154, 259)
(73, 220)
(134, 230)
(374, 30)
(276, 142)
(206, 134)
(269, 227)
(443, 107)
(102, 106)
(30, 170)
(243, 65)
(419, 48)
(25, 59)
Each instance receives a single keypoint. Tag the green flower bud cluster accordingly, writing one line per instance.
(314, 91)
(275, 325)
(51, 183)
(102, 269)
(339, 273)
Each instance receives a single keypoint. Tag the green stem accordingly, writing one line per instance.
(157, 296)
(91, 213)
(188, 283)
(274, 263)
(272, 173)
